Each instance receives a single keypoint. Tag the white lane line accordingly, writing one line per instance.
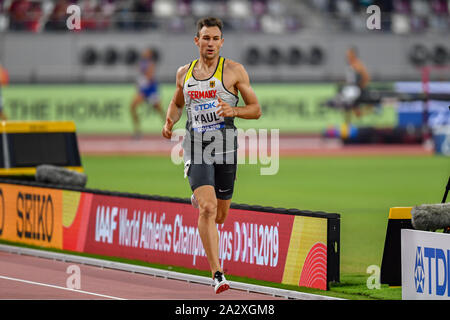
(62, 288)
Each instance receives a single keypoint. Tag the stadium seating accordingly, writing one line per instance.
(268, 16)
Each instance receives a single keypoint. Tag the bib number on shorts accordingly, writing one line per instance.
(205, 118)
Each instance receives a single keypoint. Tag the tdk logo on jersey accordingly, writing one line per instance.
(432, 271)
(205, 106)
(208, 94)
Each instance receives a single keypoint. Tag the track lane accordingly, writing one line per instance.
(27, 277)
(288, 145)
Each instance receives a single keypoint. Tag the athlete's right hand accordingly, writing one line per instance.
(167, 129)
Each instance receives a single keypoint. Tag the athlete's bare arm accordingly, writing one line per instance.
(365, 75)
(237, 80)
(176, 105)
(359, 67)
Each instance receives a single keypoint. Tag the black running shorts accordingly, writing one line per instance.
(219, 175)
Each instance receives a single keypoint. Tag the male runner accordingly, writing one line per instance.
(209, 88)
(147, 90)
(357, 77)
(4, 80)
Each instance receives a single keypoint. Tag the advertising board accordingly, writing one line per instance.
(279, 245)
(425, 265)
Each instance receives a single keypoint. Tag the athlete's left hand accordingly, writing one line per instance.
(225, 110)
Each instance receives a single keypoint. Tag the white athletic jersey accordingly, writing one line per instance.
(201, 100)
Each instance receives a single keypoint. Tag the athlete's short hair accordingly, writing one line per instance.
(209, 22)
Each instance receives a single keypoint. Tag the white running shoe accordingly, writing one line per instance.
(221, 284)
(194, 202)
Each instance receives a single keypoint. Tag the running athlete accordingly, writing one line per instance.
(357, 81)
(4, 79)
(208, 87)
(147, 90)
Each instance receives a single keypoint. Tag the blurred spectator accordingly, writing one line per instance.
(57, 19)
(440, 7)
(259, 7)
(184, 7)
(252, 24)
(276, 7)
(322, 5)
(96, 14)
(18, 15)
(402, 6)
(142, 14)
(400, 23)
(107, 10)
(439, 21)
(292, 23)
(386, 6)
(239, 8)
(272, 24)
(34, 16)
(271, 16)
(4, 80)
(164, 9)
(89, 16)
(124, 15)
(200, 8)
(25, 15)
(421, 8)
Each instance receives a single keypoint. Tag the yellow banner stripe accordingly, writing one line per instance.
(36, 126)
(306, 232)
(400, 213)
(71, 200)
(29, 171)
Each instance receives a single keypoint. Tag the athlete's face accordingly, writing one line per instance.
(147, 54)
(209, 42)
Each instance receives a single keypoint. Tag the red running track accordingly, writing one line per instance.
(288, 145)
(28, 277)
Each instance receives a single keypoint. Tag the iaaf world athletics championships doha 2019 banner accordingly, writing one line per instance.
(290, 247)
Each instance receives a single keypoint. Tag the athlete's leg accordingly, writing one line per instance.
(137, 100)
(223, 207)
(207, 202)
(2, 113)
(202, 181)
(225, 176)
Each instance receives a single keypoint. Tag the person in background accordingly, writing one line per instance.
(358, 78)
(4, 80)
(147, 90)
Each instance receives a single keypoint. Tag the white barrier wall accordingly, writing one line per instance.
(425, 265)
(55, 57)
